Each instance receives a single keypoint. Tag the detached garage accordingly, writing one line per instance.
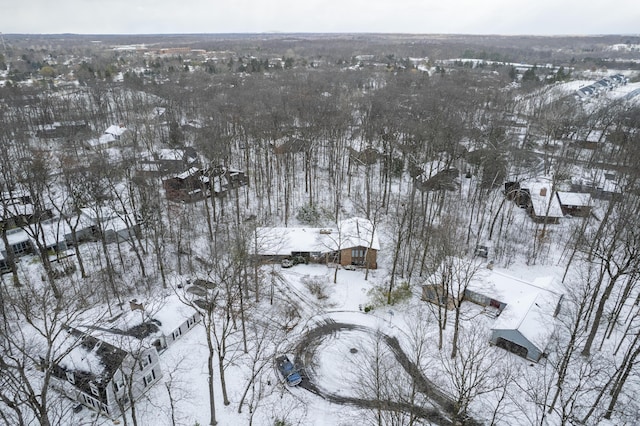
(525, 328)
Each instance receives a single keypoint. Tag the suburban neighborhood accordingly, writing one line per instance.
(319, 229)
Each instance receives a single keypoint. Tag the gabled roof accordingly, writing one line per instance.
(534, 318)
(577, 199)
(530, 306)
(543, 201)
(353, 232)
(115, 130)
(91, 357)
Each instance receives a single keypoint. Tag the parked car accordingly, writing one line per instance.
(288, 371)
(286, 263)
(350, 267)
(292, 261)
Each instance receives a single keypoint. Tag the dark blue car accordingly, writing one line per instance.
(288, 371)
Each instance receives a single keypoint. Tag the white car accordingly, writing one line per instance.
(287, 263)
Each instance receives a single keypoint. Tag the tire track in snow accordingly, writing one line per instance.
(329, 329)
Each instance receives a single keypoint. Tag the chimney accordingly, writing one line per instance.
(543, 191)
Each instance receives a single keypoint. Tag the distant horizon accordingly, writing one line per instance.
(328, 33)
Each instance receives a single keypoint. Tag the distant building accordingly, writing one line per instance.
(196, 184)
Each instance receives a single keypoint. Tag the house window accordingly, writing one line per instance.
(191, 321)
(118, 386)
(357, 256)
(177, 333)
(94, 389)
(21, 247)
(71, 378)
(90, 401)
(146, 360)
(149, 378)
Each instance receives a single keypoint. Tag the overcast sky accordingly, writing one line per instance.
(541, 17)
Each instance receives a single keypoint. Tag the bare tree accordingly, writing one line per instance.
(33, 343)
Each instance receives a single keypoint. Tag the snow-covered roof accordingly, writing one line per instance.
(191, 172)
(542, 197)
(108, 218)
(115, 130)
(358, 232)
(16, 209)
(88, 354)
(577, 199)
(51, 231)
(167, 314)
(17, 235)
(530, 306)
(284, 241)
(353, 232)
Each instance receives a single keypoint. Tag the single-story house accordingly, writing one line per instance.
(116, 226)
(166, 161)
(575, 203)
(190, 185)
(98, 370)
(601, 184)
(196, 183)
(353, 242)
(111, 137)
(524, 311)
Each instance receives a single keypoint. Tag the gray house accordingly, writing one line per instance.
(524, 311)
(526, 329)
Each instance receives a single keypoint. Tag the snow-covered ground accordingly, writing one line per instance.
(339, 363)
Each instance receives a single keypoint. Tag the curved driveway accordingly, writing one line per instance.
(311, 340)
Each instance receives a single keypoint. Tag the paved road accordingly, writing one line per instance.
(443, 415)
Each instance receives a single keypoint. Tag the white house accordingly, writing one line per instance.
(160, 323)
(102, 372)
